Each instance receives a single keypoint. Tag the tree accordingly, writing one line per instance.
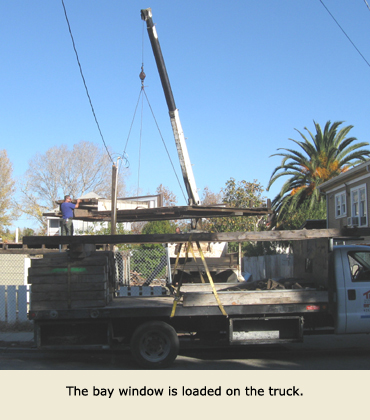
(210, 198)
(28, 232)
(305, 212)
(238, 194)
(157, 227)
(7, 190)
(61, 171)
(169, 198)
(325, 155)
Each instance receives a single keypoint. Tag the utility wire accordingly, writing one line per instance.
(367, 4)
(84, 82)
(345, 33)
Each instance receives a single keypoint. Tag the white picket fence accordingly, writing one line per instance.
(268, 266)
(13, 304)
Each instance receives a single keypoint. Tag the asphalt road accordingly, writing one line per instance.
(316, 353)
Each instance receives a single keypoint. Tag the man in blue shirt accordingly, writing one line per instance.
(67, 208)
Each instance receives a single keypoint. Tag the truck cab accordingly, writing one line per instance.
(351, 296)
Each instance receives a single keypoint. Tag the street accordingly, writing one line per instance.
(316, 353)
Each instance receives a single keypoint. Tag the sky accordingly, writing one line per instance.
(245, 76)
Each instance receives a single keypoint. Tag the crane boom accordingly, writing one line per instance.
(186, 168)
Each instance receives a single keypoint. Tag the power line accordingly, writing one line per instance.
(345, 33)
(84, 82)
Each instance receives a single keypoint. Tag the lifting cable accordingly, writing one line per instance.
(164, 144)
(84, 82)
(142, 76)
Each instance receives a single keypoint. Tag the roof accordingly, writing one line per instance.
(90, 195)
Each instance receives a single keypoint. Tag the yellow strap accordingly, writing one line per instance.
(177, 260)
(200, 274)
(177, 296)
(211, 281)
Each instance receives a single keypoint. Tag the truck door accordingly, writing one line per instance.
(357, 292)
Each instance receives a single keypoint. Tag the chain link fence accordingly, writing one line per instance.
(14, 269)
(134, 267)
(142, 267)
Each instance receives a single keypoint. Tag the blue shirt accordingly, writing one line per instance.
(67, 210)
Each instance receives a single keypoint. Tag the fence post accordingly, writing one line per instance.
(2, 303)
(12, 304)
(22, 303)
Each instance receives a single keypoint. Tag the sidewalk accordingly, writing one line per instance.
(12, 338)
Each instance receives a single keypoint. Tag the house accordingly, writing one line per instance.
(347, 198)
(100, 204)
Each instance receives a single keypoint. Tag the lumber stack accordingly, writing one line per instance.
(60, 282)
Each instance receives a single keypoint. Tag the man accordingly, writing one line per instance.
(67, 208)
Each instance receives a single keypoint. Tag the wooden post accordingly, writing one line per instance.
(240, 262)
(114, 202)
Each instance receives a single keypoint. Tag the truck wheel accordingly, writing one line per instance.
(154, 345)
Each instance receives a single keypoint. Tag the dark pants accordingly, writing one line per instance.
(67, 227)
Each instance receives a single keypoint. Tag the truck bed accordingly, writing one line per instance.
(201, 303)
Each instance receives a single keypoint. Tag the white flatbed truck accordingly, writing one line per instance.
(155, 329)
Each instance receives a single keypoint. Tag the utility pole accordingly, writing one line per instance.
(114, 200)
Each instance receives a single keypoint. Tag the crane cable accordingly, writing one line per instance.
(84, 82)
(142, 76)
(164, 144)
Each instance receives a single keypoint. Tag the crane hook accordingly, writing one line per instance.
(142, 75)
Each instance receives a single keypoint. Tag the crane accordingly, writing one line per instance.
(186, 168)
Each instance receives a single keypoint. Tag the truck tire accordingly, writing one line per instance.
(154, 345)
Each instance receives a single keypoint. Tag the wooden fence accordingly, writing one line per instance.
(13, 304)
(268, 266)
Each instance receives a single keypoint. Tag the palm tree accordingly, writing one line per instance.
(325, 155)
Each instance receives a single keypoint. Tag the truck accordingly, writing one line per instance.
(75, 301)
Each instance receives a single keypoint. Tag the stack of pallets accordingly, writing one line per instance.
(60, 282)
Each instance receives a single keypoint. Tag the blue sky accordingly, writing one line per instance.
(244, 75)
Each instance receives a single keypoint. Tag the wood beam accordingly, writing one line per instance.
(282, 235)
